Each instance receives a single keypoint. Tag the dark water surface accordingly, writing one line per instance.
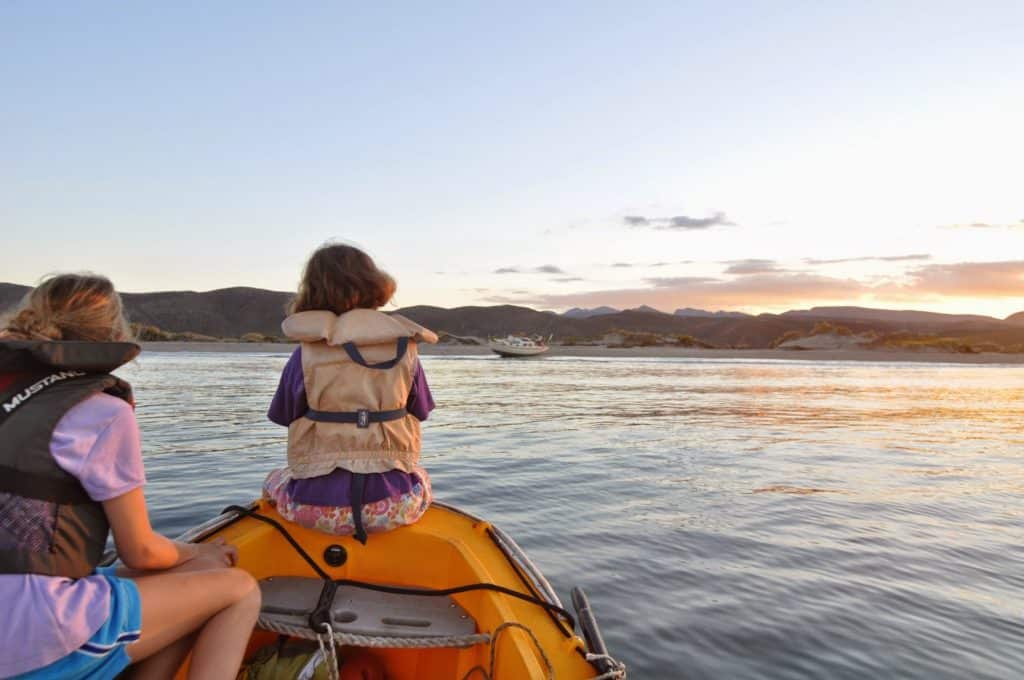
(729, 519)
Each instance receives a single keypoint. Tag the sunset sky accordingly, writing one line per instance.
(755, 156)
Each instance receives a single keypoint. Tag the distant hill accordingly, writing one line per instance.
(645, 308)
(233, 312)
(581, 313)
(888, 315)
(690, 311)
(224, 313)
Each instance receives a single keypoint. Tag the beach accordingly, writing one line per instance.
(596, 351)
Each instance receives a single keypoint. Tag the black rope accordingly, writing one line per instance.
(401, 590)
(284, 532)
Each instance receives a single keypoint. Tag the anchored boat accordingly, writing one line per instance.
(450, 597)
(518, 346)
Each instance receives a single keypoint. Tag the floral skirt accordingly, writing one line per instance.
(388, 513)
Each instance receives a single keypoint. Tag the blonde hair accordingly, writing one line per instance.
(338, 278)
(69, 307)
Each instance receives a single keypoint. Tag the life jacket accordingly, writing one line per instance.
(48, 523)
(357, 369)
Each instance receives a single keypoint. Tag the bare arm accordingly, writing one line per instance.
(139, 547)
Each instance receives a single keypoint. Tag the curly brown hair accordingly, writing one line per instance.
(69, 307)
(339, 278)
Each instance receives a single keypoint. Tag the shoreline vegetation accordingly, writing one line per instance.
(664, 352)
(824, 342)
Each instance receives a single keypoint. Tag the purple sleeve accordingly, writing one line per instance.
(289, 402)
(97, 441)
(420, 402)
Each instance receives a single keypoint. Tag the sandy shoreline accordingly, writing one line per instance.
(631, 353)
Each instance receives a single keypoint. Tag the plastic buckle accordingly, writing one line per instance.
(362, 418)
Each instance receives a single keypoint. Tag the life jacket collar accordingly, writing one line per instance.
(357, 326)
(92, 357)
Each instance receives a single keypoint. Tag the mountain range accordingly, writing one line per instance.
(233, 312)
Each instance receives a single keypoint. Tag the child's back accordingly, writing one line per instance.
(352, 397)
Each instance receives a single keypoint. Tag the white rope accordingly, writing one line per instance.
(329, 652)
(618, 671)
(388, 641)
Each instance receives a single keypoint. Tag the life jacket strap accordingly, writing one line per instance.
(356, 492)
(354, 354)
(362, 418)
(42, 487)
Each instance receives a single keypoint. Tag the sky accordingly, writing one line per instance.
(741, 156)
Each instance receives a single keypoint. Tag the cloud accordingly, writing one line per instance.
(752, 267)
(872, 258)
(543, 269)
(986, 225)
(623, 265)
(678, 222)
(968, 279)
(779, 289)
(568, 279)
(756, 286)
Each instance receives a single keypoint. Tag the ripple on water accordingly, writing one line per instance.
(729, 519)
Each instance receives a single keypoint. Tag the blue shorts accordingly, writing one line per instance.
(103, 656)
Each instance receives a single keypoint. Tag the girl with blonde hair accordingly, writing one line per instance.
(70, 473)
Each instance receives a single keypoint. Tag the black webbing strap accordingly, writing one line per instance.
(356, 492)
(67, 491)
(353, 354)
(362, 417)
(321, 613)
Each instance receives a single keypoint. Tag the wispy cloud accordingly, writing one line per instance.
(754, 266)
(542, 269)
(678, 222)
(750, 291)
(987, 225)
(567, 279)
(871, 258)
(775, 289)
(969, 279)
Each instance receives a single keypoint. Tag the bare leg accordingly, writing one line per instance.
(219, 604)
(164, 663)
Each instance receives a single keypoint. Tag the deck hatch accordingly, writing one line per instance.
(291, 599)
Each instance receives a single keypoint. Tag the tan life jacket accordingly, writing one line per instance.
(358, 369)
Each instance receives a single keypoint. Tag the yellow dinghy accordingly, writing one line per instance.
(450, 597)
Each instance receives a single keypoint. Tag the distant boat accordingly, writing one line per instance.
(518, 346)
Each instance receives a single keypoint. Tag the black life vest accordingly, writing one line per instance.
(48, 523)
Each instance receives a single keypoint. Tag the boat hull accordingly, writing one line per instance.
(445, 549)
(506, 351)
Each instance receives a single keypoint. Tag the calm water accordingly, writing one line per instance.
(729, 519)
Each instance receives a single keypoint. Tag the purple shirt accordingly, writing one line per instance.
(97, 441)
(289, 404)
